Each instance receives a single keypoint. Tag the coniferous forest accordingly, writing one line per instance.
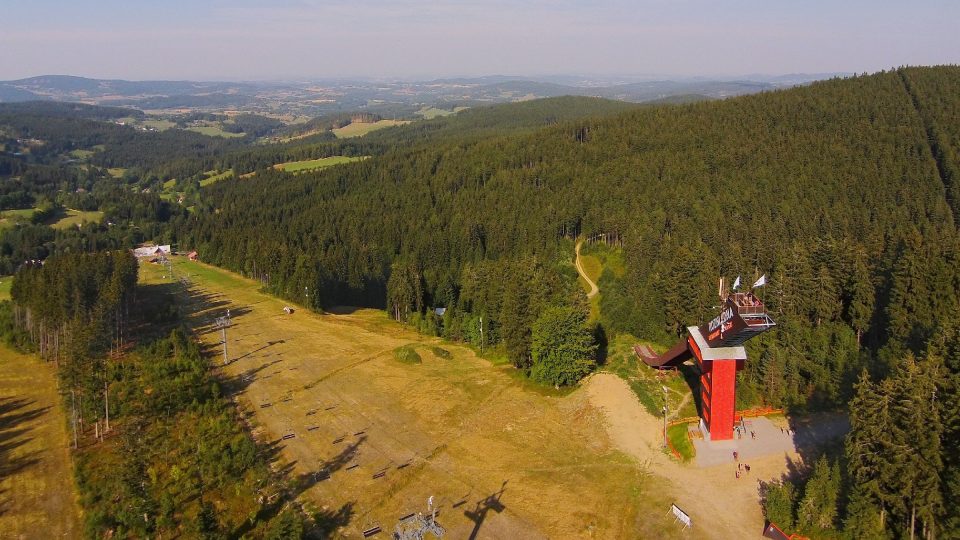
(845, 193)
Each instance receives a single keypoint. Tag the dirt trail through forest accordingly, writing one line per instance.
(593, 286)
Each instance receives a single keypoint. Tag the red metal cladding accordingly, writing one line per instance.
(718, 393)
(723, 382)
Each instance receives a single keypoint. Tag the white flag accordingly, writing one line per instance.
(760, 282)
(736, 283)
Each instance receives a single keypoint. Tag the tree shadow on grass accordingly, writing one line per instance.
(325, 469)
(815, 434)
(4, 502)
(603, 343)
(326, 522)
(14, 413)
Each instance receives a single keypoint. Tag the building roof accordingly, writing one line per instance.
(149, 251)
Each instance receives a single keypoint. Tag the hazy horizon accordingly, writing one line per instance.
(603, 79)
(416, 40)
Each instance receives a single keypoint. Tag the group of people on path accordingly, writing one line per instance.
(742, 468)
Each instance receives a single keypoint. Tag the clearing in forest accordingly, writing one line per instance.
(8, 218)
(214, 177)
(316, 164)
(73, 218)
(37, 495)
(359, 129)
(721, 504)
(158, 124)
(214, 130)
(371, 436)
(429, 113)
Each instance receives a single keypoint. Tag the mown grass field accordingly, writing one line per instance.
(216, 177)
(315, 164)
(20, 213)
(37, 496)
(592, 266)
(80, 154)
(9, 217)
(609, 258)
(5, 283)
(359, 129)
(501, 461)
(77, 217)
(429, 113)
(214, 131)
(158, 124)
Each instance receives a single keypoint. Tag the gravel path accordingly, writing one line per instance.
(720, 504)
(593, 286)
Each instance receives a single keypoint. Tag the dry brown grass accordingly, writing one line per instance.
(37, 495)
(502, 460)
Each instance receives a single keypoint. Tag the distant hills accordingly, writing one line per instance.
(67, 85)
(11, 94)
(390, 97)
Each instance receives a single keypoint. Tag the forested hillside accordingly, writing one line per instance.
(826, 188)
(73, 179)
(472, 124)
(843, 193)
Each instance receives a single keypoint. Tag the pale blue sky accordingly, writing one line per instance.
(299, 39)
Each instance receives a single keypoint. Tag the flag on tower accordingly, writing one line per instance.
(760, 282)
(736, 283)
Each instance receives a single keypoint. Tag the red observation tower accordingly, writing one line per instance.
(717, 349)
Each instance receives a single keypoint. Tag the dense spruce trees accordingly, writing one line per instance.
(74, 308)
(895, 450)
(818, 507)
(77, 302)
(562, 349)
